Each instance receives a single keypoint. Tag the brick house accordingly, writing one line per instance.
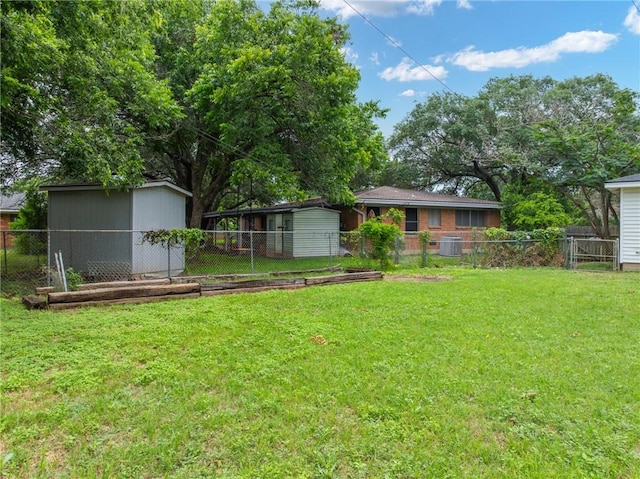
(443, 215)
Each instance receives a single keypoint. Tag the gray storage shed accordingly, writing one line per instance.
(100, 233)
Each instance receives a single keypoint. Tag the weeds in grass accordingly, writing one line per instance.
(520, 373)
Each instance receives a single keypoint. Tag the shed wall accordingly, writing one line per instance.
(90, 210)
(630, 228)
(316, 233)
(155, 209)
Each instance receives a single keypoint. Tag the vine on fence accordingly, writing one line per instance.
(382, 236)
(190, 238)
(424, 237)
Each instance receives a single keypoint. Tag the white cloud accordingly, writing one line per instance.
(385, 8)
(394, 42)
(632, 20)
(406, 71)
(572, 42)
(408, 93)
(425, 7)
(375, 58)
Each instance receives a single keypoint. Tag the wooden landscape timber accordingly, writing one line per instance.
(254, 283)
(138, 300)
(344, 278)
(144, 291)
(122, 294)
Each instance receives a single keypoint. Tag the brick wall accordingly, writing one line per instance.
(5, 219)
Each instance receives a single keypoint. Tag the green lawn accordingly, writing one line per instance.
(528, 373)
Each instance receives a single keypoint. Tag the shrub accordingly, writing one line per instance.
(32, 216)
(382, 236)
(539, 247)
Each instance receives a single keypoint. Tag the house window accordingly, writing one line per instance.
(411, 219)
(470, 218)
(373, 212)
(434, 219)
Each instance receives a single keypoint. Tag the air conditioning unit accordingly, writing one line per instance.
(450, 246)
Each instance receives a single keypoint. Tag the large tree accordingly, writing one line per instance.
(232, 102)
(522, 134)
(269, 101)
(78, 91)
(592, 135)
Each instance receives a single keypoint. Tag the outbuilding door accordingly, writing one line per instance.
(275, 228)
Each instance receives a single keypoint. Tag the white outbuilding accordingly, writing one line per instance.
(628, 189)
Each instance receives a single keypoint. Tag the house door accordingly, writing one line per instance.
(279, 228)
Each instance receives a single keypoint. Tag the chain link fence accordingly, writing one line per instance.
(29, 257)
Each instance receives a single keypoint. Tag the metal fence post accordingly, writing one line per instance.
(330, 252)
(169, 258)
(4, 248)
(251, 250)
(396, 251)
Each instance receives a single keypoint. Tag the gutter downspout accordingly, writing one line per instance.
(361, 213)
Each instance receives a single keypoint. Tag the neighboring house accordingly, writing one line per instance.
(100, 232)
(628, 188)
(291, 230)
(9, 207)
(444, 215)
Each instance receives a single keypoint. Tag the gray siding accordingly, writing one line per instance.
(98, 247)
(154, 209)
(90, 210)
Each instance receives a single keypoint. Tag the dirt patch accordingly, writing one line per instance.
(417, 279)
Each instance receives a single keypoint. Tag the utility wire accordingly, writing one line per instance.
(397, 45)
(635, 4)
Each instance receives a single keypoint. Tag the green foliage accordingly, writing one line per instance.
(274, 102)
(74, 279)
(78, 85)
(538, 211)
(563, 139)
(538, 247)
(382, 236)
(424, 237)
(32, 216)
(190, 238)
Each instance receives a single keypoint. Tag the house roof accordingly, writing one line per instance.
(381, 196)
(623, 182)
(279, 208)
(11, 203)
(392, 196)
(97, 186)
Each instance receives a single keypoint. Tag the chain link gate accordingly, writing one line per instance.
(593, 254)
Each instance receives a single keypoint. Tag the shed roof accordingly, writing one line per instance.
(623, 182)
(392, 196)
(11, 203)
(97, 186)
(313, 203)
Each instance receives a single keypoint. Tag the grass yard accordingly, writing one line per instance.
(529, 373)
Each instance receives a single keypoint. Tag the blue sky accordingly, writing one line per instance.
(464, 43)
